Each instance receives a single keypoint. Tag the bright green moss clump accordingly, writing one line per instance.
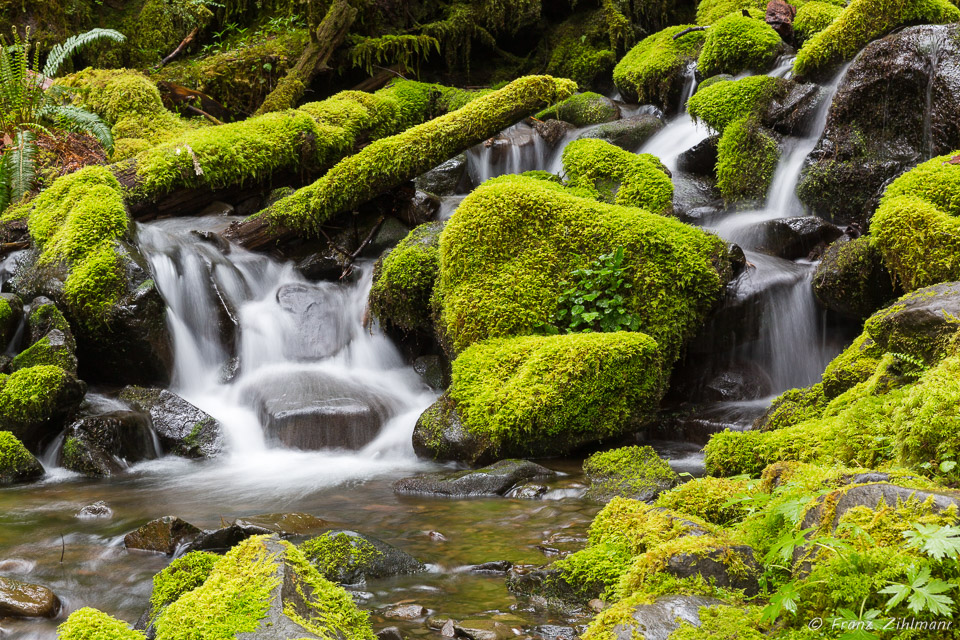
(747, 158)
(340, 557)
(91, 624)
(16, 462)
(707, 498)
(181, 576)
(855, 365)
(737, 43)
(916, 226)
(582, 110)
(29, 395)
(711, 11)
(512, 242)
(653, 71)
(520, 394)
(861, 22)
(813, 17)
(722, 103)
(618, 176)
(633, 472)
(403, 281)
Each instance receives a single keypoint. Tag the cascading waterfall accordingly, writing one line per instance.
(935, 44)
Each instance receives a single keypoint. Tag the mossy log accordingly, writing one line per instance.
(389, 162)
(323, 42)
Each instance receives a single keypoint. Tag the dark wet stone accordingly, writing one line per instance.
(555, 632)
(792, 238)
(852, 280)
(389, 633)
(439, 434)
(496, 567)
(552, 131)
(217, 208)
(742, 381)
(25, 600)
(285, 524)
(528, 491)
(793, 114)
(391, 232)
(98, 509)
(9, 323)
(920, 324)
(163, 535)
(780, 16)
(495, 479)
(658, 620)
(627, 133)
(387, 561)
(713, 566)
(432, 370)
(182, 428)
(701, 158)
(106, 444)
(421, 208)
(446, 179)
(18, 465)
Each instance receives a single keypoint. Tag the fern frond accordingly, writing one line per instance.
(22, 156)
(77, 119)
(60, 52)
(5, 176)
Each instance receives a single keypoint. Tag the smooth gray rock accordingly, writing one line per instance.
(658, 620)
(182, 428)
(627, 133)
(492, 480)
(445, 179)
(106, 444)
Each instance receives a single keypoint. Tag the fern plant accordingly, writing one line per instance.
(30, 105)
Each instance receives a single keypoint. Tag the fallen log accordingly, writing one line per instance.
(389, 162)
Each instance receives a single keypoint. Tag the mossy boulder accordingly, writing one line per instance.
(851, 278)
(51, 339)
(106, 444)
(583, 110)
(618, 176)
(922, 324)
(181, 576)
(538, 395)
(859, 23)
(348, 557)
(708, 499)
(813, 17)
(16, 463)
(747, 157)
(737, 43)
(711, 11)
(496, 479)
(11, 313)
(796, 405)
(723, 103)
(653, 72)
(628, 133)
(182, 428)
(507, 250)
(660, 619)
(629, 472)
(856, 364)
(36, 402)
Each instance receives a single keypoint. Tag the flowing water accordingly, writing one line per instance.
(265, 351)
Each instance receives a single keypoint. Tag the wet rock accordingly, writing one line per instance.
(921, 323)
(55, 348)
(53, 397)
(439, 433)
(99, 509)
(433, 371)
(421, 208)
(163, 535)
(555, 632)
(527, 491)
(714, 565)
(285, 524)
(106, 444)
(898, 104)
(212, 238)
(217, 208)
(315, 410)
(658, 620)
(182, 428)
(793, 113)
(389, 633)
(741, 381)
(627, 133)
(9, 321)
(446, 179)
(225, 538)
(552, 131)
(348, 557)
(544, 588)
(637, 473)
(17, 464)
(25, 600)
(391, 232)
(495, 479)
(483, 630)
(496, 567)
(701, 158)
(780, 16)
(405, 612)
(870, 496)
(852, 280)
(792, 238)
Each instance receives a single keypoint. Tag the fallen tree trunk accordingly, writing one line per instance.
(323, 42)
(389, 162)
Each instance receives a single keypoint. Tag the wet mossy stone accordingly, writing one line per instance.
(106, 444)
(861, 22)
(11, 313)
(711, 11)
(922, 324)
(723, 103)
(618, 176)
(653, 72)
(511, 244)
(24, 600)
(657, 620)
(544, 395)
(495, 479)
(181, 576)
(856, 364)
(794, 406)
(264, 588)
(446, 178)
(16, 463)
(627, 133)
(351, 558)
(583, 110)
(36, 402)
(737, 43)
(91, 624)
(629, 472)
(813, 17)
(851, 278)
(747, 157)
(182, 428)
(55, 348)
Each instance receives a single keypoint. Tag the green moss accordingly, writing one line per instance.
(339, 556)
(91, 624)
(916, 228)
(793, 407)
(618, 176)
(861, 22)
(707, 498)
(42, 352)
(711, 11)
(628, 471)
(520, 393)
(15, 459)
(580, 49)
(181, 576)
(722, 103)
(582, 110)
(737, 43)
(512, 242)
(29, 395)
(403, 280)
(747, 157)
(653, 71)
(813, 17)
(723, 623)
(856, 364)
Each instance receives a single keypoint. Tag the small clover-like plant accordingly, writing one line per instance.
(595, 299)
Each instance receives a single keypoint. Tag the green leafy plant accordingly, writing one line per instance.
(935, 541)
(922, 592)
(595, 299)
(910, 366)
(30, 104)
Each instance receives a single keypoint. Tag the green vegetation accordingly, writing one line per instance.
(737, 43)
(582, 110)
(708, 499)
(181, 576)
(618, 176)
(29, 396)
(747, 157)
(339, 557)
(632, 472)
(403, 280)
(711, 11)
(653, 71)
(723, 103)
(16, 462)
(813, 17)
(861, 22)
(90, 624)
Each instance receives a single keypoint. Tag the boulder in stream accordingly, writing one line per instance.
(182, 428)
(348, 557)
(797, 237)
(17, 464)
(106, 444)
(496, 479)
(36, 402)
(163, 535)
(25, 600)
(630, 472)
(658, 620)
(628, 133)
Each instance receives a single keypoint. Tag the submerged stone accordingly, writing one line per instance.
(495, 479)
(163, 535)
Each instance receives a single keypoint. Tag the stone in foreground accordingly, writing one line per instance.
(493, 480)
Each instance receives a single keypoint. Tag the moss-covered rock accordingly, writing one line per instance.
(16, 463)
(580, 49)
(851, 278)
(35, 403)
(347, 557)
(582, 110)
(793, 407)
(105, 444)
(747, 157)
(854, 365)
(737, 43)
(861, 22)
(618, 176)
(11, 313)
(629, 472)
(90, 624)
(628, 133)
(922, 325)
(708, 499)
(538, 395)
(653, 71)
(720, 104)
(711, 11)
(181, 576)
(813, 17)
(507, 250)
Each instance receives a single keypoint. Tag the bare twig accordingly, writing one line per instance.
(201, 112)
(689, 30)
(180, 47)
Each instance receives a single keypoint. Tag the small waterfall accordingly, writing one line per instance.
(280, 361)
(934, 48)
(517, 149)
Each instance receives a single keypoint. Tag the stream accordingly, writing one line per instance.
(268, 353)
